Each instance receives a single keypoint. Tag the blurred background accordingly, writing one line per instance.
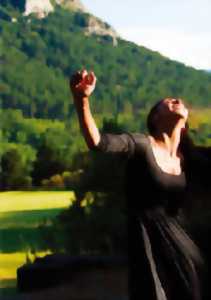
(58, 200)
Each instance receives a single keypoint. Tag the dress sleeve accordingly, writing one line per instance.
(116, 143)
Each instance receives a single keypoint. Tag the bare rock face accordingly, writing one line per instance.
(41, 8)
(75, 5)
(98, 27)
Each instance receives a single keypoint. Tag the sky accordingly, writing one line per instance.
(178, 29)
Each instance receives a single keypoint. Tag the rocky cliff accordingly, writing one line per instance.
(41, 8)
(97, 27)
(38, 7)
(75, 5)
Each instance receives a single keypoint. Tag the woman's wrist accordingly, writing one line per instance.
(80, 99)
(82, 104)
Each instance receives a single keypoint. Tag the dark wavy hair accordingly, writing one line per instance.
(151, 124)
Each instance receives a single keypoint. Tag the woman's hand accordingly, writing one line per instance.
(82, 84)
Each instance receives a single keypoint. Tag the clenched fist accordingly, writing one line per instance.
(82, 83)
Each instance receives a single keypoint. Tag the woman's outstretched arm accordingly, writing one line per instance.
(82, 85)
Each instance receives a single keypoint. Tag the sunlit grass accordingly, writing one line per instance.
(10, 262)
(34, 200)
(27, 209)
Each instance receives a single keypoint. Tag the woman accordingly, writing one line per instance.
(164, 263)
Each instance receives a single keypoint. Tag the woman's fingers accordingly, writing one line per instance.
(93, 78)
(90, 78)
(75, 78)
(84, 73)
(78, 76)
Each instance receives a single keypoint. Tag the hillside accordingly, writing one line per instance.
(40, 52)
(39, 55)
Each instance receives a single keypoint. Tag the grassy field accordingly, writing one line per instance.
(32, 200)
(27, 218)
(21, 214)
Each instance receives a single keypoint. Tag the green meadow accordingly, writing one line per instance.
(25, 220)
(34, 200)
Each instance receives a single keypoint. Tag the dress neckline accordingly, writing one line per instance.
(157, 165)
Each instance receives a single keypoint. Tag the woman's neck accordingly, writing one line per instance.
(169, 139)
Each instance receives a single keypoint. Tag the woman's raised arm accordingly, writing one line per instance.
(82, 85)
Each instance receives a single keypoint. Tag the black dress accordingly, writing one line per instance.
(164, 262)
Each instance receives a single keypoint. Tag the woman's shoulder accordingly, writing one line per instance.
(140, 140)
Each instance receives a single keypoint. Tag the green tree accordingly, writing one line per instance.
(13, 172)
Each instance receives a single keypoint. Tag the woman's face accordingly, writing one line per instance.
(174, 106)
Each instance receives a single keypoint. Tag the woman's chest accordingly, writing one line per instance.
(168, 164)
(143, 171)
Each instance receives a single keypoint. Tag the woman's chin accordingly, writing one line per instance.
(182, 113)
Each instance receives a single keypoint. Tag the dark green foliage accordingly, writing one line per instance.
(39, 55)
(18, 4)
(13, 171)
(29, 218)
(97, 228)
(26, 239)
(52, 146)
(81, 19)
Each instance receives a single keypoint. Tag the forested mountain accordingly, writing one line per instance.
(38, 54)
